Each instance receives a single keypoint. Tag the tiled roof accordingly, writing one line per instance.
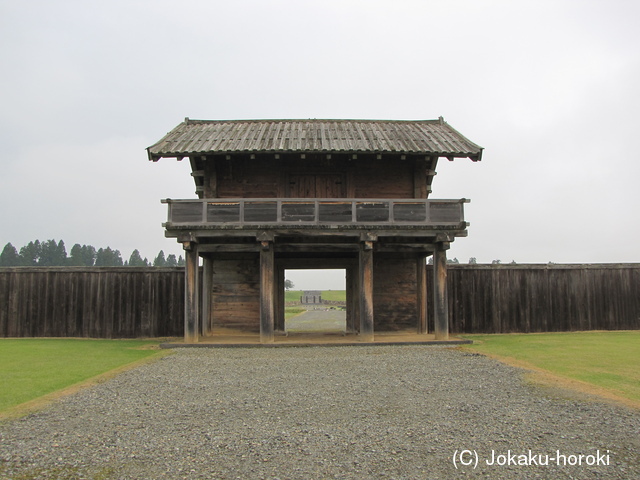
(282, 136)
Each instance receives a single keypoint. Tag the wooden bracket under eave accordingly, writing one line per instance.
(368, 237)
(264, 236)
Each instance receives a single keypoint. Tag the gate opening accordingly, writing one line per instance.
(315, 301)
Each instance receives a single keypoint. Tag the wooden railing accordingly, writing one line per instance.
(314, 211)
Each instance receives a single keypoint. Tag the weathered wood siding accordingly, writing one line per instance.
(266, 177)
(394, 293)
(125, 302)
(543, 298)
(100, 302)
(236, 292)
(380, 179)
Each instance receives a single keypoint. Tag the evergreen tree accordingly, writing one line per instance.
(52, 254)
(9, 256)
(180, 261)
(82, 256)
(135, 260)
(30, 254)
(105, 257)
(171, 261)
(473, 261)
(160, 260)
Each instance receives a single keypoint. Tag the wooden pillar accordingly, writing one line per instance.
(440, 301)
(207, 280)
(267, 292)
(421, 287)
(191, 306)
(351, 300)
(365, 282)
(279, 306)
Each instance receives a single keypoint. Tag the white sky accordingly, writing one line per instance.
(551, 89)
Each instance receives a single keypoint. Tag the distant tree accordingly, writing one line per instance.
(52, 254)
(10, 257)
(472, 261)
(105, 257)
(180, 261)
(453, 260)
(288, 285)
(82, 256)
(160, 261)
(30, 254)
(513, 262)
(135, 260)
(171, 261)
(496, 262)
(430, 261)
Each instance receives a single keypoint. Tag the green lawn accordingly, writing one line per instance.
(290, 312)
(608, 360)
(31, 368)
(333, 295)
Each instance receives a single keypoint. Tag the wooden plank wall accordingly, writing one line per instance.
(98, 302)
(542, 298)
(126, 302)
(236, 292)
(394, 293)
(269, 178)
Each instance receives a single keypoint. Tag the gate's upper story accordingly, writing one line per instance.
(336, 174)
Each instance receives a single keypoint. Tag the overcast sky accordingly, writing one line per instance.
(550, 89)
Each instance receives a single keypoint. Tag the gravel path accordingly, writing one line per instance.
(384, 412)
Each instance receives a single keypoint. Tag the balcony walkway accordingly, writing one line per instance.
(295, 212)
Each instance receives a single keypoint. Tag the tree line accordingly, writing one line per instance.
(54, 254)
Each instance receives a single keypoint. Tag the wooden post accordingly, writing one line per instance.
(365, 282)
(191, 307)
(267, 290)
(352, 293)
(421, 287)
(207, 280)
(279, 306)
(440, 302)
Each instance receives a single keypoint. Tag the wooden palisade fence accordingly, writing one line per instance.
(543, 298)
(100, 302)
(127, 302)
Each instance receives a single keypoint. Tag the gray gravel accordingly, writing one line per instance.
(383, 412)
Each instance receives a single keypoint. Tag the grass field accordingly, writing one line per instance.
(290, 312)
(609, 361)
(332, 295)
(31, 368)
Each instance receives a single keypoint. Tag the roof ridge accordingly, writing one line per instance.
(188, 120)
